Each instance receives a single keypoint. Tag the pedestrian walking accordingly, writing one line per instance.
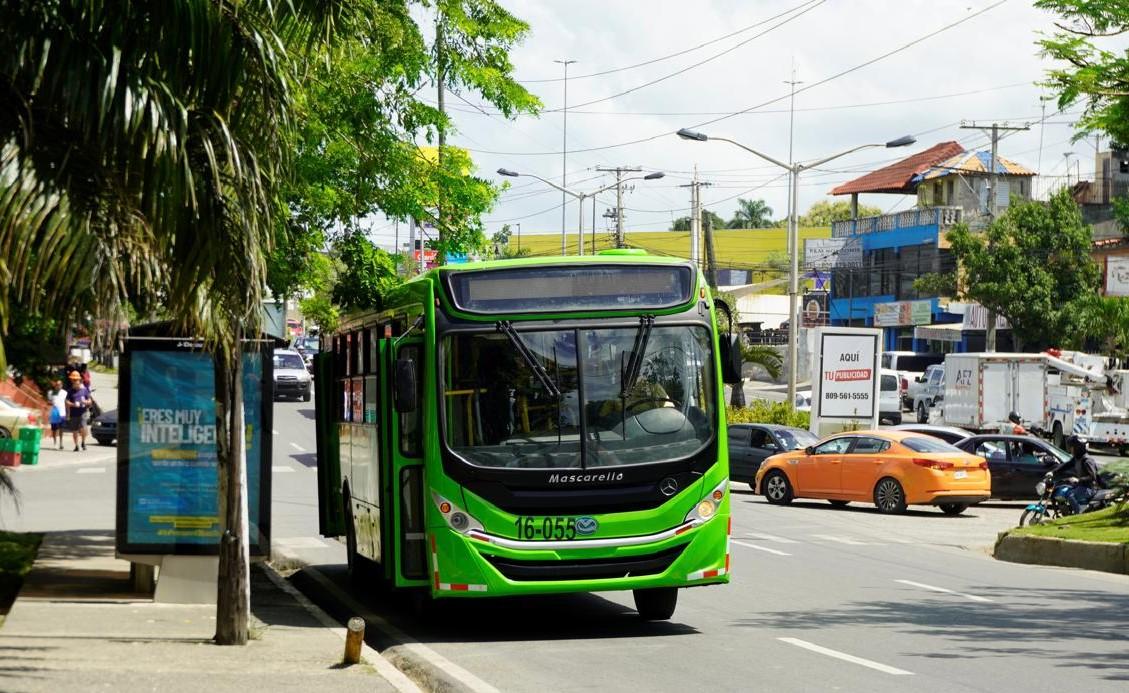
(78, 410)
(57, 395)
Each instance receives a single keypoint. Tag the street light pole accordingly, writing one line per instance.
(580, 197)
(564, 153)
(793, 235)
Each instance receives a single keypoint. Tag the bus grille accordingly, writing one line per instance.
(585, 569)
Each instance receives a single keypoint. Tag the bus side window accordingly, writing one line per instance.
(411, 439)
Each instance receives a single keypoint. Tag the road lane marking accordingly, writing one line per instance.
(841, 540)
(460, 674)
(274, 431)
(298, 447)
(92, 470)
(758, 548)
(769, 537)
(934, 588)
(281, 468)
(870, 664)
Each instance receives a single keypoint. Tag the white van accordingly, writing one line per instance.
(889, 398)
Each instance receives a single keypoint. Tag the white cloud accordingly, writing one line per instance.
(994, 49)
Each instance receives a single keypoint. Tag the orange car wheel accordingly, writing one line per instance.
(889, 496)
(777, 490)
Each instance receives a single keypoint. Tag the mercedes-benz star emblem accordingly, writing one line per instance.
(668, 486)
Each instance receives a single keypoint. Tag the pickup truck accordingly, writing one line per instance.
(927, 390)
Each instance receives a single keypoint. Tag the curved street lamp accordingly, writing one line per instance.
(580, 197)
(793, 232)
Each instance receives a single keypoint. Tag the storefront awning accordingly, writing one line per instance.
(949, 332)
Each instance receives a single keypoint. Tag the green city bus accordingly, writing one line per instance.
(532, 426)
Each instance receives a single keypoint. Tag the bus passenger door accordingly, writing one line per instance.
(331, 518)
(405, 481)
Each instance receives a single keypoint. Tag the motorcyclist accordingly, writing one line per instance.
(1083, 470)
(1017, 424)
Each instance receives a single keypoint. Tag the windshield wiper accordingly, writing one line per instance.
(507, 328)
(637, 351)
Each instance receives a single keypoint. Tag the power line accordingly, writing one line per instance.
(674, 55)
(813, 85)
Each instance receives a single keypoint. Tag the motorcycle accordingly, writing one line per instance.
(1053, 501)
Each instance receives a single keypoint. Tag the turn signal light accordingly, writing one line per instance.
(933, 464)
(984, 465)
(444, 507)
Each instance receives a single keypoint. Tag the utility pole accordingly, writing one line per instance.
(695, 218)
(564, 161)
(619, 171)
(441, 78)
(995, 129)
(711, 262)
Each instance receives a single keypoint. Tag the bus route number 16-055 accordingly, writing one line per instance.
(546, 527)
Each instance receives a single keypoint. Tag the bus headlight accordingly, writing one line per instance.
(707, 507)
(457, 518)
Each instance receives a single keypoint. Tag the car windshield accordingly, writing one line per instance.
(292, 361)
(928, 445)
(4, 401)
(796, 438)
(565, 404)
(1061, 455)
(889, 383)
(306, 343)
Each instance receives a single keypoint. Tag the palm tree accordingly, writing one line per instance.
(1105, 320)
(140, 149)
(759, 355)
(751, 214)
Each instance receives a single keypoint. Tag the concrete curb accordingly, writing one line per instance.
(390, 673)
(433, 672)
(1068, 553)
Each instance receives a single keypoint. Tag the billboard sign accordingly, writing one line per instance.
(832, 253)
(845, 379)
(1117, 276)
(899, 313)
(168, 477)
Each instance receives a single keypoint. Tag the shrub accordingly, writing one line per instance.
(763, 411)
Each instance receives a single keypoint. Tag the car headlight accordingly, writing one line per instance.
(708, 506)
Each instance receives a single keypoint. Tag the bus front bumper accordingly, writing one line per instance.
(479, 565)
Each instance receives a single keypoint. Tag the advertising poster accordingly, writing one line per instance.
(845, 379)
(168, 486)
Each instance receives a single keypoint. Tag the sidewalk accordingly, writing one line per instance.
(77, 626)
(50, 457)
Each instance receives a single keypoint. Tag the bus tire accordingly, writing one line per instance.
(656, 603)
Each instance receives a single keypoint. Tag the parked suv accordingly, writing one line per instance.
(291, 379)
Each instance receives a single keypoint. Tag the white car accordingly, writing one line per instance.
(291, 379)
(12, 417)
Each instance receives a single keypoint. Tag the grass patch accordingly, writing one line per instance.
(17, 553)
(1111, 524)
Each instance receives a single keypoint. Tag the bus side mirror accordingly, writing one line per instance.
(731, 359)
(404, 386)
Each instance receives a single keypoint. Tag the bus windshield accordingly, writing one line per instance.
(498, 411)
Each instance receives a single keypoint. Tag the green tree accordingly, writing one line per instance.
(751, 214)
(1032, 265)
(1104, 321)
(1095, 75)
(823, 212)
(368, 274)
(683, 223)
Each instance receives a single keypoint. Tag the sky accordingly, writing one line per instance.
(984, 69)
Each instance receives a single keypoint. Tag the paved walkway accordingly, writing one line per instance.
(77, 626)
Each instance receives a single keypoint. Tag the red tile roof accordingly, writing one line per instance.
(898, 177)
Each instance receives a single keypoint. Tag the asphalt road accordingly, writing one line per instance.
(820, 599)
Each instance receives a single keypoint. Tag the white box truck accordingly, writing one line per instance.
(982, 389)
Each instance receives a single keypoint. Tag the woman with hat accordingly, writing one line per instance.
(78, 407)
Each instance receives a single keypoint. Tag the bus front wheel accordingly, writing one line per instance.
(657, 603)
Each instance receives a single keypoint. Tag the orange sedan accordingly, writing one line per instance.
(891, 469)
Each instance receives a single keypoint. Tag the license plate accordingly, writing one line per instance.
(546, 528)
(960, 475)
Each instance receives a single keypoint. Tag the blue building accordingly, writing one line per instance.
(874, 284)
